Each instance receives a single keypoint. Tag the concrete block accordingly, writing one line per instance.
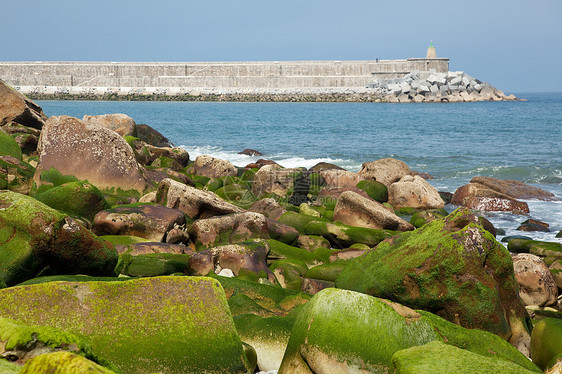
(477, 87)
(465, 81)
(456, 81)
(394, 88)
(405, 88)
(423, 89)
(444, 90)
(418, 99)
(393, 99)
(404, 98)
(434, 89)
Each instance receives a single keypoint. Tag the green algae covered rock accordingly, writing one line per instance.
(376, 190)
(152, 264)
(62, 363)
(15, 175)
(278, 250)
(343, 236)
(536, 247)
(289, 273)
(36, 238)
(421, 218)
(478, 341)
(71, 278)
(75, 198)
(167, 324)
(328, 272)
(346, 331)
(7, 367)
(268, 336)
(440, 358)
(21, 342)
(451, 267)
(546, 342)
(9, 146)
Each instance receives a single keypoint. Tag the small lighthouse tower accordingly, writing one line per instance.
(431, 53)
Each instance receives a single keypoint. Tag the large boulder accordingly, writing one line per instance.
(161, 324)
(38, 239)
(385, 171)
(120, 123)
(546, 342)
(193, 202)
(355, 210)
(239, 227)
(479, 197)
(536, 285)
(414, 192)
(514, 189)
(147, 221)
(152, 136)
(211, 167)
(16, 107)
(268, 207)
(88, 152)
(62, 363)
(273, 179)
(451, 267)
(340, 178)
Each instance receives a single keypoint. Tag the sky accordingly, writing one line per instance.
(516, 45)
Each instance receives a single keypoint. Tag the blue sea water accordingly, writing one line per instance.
(453, 142)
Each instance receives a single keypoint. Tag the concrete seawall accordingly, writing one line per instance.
(330, 80)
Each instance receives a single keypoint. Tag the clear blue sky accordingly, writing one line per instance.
(516, 45)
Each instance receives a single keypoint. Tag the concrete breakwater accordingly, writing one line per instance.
(214, 81)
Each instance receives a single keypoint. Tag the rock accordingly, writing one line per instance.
(146, 248)
(250, 152)
(38, 239)
(347, 254)
(62, 363)
(425, 216)
(321, 341)
(312, 242)
(534, 225)
(414, 192)
(259, 164)
(120, 123)
(193, 202)
(167, 155)
(385, 171)
(26, 137)
(75, 198)
(20, 343)
(342, 236)
(445, 267)
(6, 367)
(275, 179)
(546, 342)
(375, 190)
(340, 178)
(176, 324)
(355, 210)
(428, 358)
(151, 222)
(148, 198)
(324, 166)
(514, 189)
(153, 264)
(16, 107)
(535, 247)
(211, 167)
(9, 146)
(177, 235)
(149, 135)
(234, 228)
(15, 175)
(268, 207)
(307, 210)
(536, 285)
(556, 271)
(88, 152)
(239, 258)
(326, 272)
(479, 197)
(313, 286)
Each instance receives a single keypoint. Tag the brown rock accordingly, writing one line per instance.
(536, 285)
(120, 123)
(514, 189)
(151, 222)
(250, 152)
(414, 192)
(335, 192)
(16, 107)
(274, 179)
(313, 286)
(346, 254)
(193, 202)
(324, 166)
(150, 136)
(177, 235)
(151, 247)
(556, 272)
(425, 176)
(269, 208)
(211, 167)
(355, 210)
(479, 197)
(88, 152)
(386, 170)
(340, 178)
(26, 137)
(259, 164)
(534, 225)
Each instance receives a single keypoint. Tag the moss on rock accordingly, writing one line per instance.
(546, 342)
(62, 363)
(9, 146)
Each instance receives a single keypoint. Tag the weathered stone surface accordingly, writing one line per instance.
(386, 170)
(118, 122)
(534, 225)
(146, 248)
(259, 164)
(211, 167)
(245, 256)
(88, 152)
(62, 363)
(152, 136)
(250, 152)
(536, 247)
(193, 202)
(274, 179)
(38, 239)
(556, 271)
(238, 227)
(26, 137)
(16, 107)
(479, 197)
(546, 342)
(324, 166)
(355, 210)
(414, 192)
(340, 178)
(15, 175)
(151, 222)
(536, 285)
(451, 267)
(164, 324)
(269, 208)
(514, 189)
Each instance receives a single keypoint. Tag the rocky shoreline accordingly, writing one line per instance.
(121, 254)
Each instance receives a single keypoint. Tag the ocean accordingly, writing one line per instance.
(453, 142)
